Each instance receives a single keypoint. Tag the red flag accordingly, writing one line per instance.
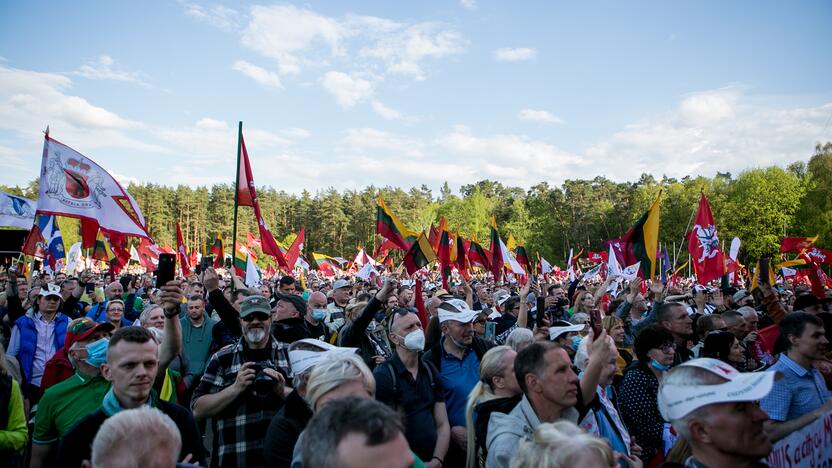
(118, 243)
(182, 252)
(703, 245)
(462, 257)
(820, 255)
(496, 251)
(433, 236)
(194, 258)
(89, 230)
(796, 244)
(421, 310)
(597, 257)
(247, 196)
(446, 240)
(296, 248)
(817, 278)
(252, 242)
(148, 254)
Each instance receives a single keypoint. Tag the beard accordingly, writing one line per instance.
(255, 335)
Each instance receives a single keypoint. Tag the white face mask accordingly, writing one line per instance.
(415, 340)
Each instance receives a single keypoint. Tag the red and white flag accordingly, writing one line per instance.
(247, 196)
(148, 254)
(703, 245)
(182, 252)
(296, 248)
(73, 185)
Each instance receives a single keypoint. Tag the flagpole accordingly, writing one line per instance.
(687, 230)
(236, 195)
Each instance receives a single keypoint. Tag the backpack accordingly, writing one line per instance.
(394, 379)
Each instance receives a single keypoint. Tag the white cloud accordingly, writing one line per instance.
(286, 34)
(348, 90)
(540, 116)
(470, 5)
(393, 145)
(709, 107)
(386, 112)
(260, 75)
(404, 51)
(218, 16)
(105, 68)
(518, 54)
(207, 123)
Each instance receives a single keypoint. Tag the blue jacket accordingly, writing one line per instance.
(29, 341)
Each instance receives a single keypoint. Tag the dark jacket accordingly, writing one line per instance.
(227, 313)
(290, 330)
(284, 431)
(434, 354)
(354, 334)
(482, 414)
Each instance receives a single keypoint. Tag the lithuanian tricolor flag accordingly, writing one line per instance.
(101, 248)
(240, 261)
(216, 250)
(390, 226)
(641, 242)
(420, 255)
(496, 251)
(325, 261)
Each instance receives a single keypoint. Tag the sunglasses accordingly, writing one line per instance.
(251, 317)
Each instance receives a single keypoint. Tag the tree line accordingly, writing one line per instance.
(760, 206)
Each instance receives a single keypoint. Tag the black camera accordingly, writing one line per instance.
(263, 384)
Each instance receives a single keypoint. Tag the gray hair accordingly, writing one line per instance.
(145, 315)
(747, 311)
(377, 422)
(560, 445)
(149, 435)
(519, 338)
(335, 370)
(688, 376)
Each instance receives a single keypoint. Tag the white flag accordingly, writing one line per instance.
(72, 257)
(300, 262)
(593, 272)
(569, 267)
(71, 184)
(252, 273)
(613, 268)
(16, 211)
(631, 272)
(545, 267)
(134, 255)
(365, 271)
(788, 272)
(508, 259)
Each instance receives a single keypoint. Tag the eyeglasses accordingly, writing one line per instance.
(667, 347)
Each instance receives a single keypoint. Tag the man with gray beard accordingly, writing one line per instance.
(243, 387)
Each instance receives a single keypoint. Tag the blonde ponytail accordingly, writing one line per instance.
(490, 367)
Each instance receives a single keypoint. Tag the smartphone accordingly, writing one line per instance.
(167, 265)
(206, 262)
(540, 314)
(90, 287)
(595, 323)
(490, 328)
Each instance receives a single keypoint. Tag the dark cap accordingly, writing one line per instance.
(296, 301)
(253, 305)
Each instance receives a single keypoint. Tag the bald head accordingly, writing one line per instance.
(317, 300)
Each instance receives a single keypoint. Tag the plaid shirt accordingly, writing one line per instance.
(242, 426)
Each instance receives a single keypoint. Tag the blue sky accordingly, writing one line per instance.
(348, 94)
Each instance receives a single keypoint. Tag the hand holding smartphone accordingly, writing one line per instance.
(167, 264)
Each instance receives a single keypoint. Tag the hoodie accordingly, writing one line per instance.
(506, 430)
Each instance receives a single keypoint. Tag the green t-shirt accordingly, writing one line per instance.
(64, 404)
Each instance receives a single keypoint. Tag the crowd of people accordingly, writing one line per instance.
(105, 371)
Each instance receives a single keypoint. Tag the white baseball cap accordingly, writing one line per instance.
(457, 310)
(51, 289)
(557, 330)
(677, 401)
(307, 352)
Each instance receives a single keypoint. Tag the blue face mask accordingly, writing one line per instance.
(576, 341)
(658, 366)
(97, 352)
(318, 314)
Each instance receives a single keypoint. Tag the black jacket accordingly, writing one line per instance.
(290, 330)
(354, 334)
(284, 431)
(434, 354)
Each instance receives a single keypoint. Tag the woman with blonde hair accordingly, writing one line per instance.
(115, 313)
(614, 327)
(496, 391)
(562, 444)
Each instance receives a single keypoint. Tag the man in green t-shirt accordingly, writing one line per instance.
(65, 403)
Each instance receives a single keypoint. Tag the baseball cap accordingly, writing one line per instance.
(341, 283)
(740, 295)
(51, 289)
(559, 327)
(82, 328)
(254, 304)
(677, 401)
(502, 298)
(307, 352)
(295, 300)
(456, 310)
